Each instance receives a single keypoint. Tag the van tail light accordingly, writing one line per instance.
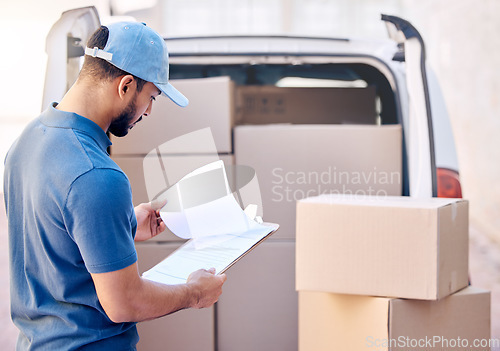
(448, 183)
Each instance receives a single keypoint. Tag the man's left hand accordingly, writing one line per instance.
(149, 223)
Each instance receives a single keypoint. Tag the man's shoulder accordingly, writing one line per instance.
(98, 177)
(59, 156)
(100, 190)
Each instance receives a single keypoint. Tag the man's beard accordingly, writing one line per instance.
(122, 124)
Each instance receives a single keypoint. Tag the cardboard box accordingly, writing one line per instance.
(211, 104)
(174, 166)
(297, 161)
(189, 330)
(271, 104)
(258, 309)
(349, 322)
(382, 246)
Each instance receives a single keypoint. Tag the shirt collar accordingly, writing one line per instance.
(53, 117)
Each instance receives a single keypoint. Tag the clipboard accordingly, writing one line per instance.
(201, 207)
(199, 254)
(274, 227)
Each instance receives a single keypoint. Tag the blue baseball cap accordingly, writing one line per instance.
(137, 49)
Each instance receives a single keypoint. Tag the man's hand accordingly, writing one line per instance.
(149, 223)
(126, 297)
(206, 286)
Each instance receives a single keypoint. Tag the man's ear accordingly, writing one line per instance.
(126, 86)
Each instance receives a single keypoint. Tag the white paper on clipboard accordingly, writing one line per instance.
(202, 208)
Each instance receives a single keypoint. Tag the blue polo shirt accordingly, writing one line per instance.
(70, 213)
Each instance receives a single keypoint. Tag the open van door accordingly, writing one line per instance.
(65, 46)
(420, 139)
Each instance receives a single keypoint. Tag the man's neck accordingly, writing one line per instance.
(88, 102)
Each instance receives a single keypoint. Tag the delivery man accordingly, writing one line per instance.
(72, 225)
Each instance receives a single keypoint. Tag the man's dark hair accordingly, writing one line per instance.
(102, 69)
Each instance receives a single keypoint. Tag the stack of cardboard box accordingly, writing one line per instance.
(300, 142)
(387, 273)
(297, 143)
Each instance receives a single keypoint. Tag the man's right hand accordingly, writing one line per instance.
(206, 287)
(126, 297)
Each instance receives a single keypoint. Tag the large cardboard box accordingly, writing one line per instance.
(211, 104)
(271, 104)
(297, 161)
(187, 330)
(353, 323)
(258, 309)
(383, 246)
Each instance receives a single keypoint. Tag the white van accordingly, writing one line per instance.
(407, 89)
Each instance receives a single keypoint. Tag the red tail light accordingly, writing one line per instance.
(448, 183)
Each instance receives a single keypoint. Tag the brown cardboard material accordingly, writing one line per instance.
(296, 161)
(382, 246)
(258, 309)
(330, 321)
(211, 104)
(189, 329)
(271, 104)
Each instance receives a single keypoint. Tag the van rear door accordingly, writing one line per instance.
(420, 138)
(65, 46)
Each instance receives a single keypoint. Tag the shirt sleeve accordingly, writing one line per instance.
(100, 218)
